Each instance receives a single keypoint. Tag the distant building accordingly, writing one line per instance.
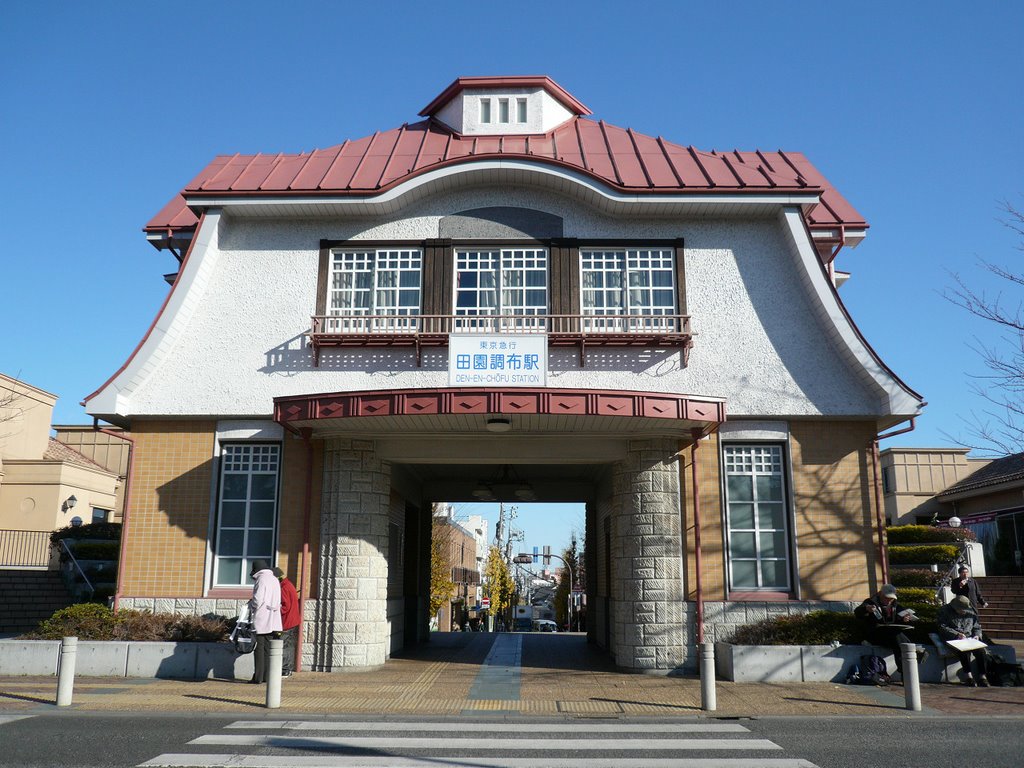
(912, 478)
(45, 483)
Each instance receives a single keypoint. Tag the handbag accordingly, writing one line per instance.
(243, 636)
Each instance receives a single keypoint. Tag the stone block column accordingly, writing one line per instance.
(648, 619)
(351, 628)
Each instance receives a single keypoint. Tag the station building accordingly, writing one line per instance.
(510, 298)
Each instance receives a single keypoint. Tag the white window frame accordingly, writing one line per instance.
(621, 277)
(250, 459)
(757, 463)
(509, 269)
(391, 274)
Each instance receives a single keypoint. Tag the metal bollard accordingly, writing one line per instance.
(911, 677)
(66, 671)
(708, 701)
(275, 656)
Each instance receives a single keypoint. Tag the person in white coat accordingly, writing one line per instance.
(265, 615)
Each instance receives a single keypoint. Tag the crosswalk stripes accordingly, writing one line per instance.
(12, 718)
(407, 744)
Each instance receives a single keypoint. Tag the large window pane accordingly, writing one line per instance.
(741, 488)
(264, 487)
(774, 574)
(232, 542)
(744, 574)
(229, 570)
(742, 544)
(235, 486)
(232, 514)
(741, 516)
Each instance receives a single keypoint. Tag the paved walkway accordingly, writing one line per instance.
(509, 674)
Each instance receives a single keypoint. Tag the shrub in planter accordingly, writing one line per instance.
(92, 621)
(86, 621)
(916, 596)
(814, 628)
(927, 534)
(915, 577)
(937, 553)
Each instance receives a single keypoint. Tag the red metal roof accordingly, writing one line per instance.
(620, 158)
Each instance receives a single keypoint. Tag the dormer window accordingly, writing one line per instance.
(496, 106)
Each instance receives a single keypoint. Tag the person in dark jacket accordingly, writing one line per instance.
(958, 620)
(886, 619)
(289, 622)
(968, 587)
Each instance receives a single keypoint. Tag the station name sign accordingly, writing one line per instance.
(498, 360)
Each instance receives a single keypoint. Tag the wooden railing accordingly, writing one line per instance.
(562, 330)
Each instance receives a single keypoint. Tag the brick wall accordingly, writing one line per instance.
(835, 510)
(169, 508)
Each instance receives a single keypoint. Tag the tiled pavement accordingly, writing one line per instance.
(558, 675)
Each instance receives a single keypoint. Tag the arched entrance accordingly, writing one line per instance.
(387, 455)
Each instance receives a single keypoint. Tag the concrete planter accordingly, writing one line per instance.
(817, 663)
(111, 658)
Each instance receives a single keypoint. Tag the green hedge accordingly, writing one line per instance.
(826, 627)
(97, 550)
(915, 577)
(815, 628)
(89, 531)
(936, 553)
(927, 534)
(92, 621)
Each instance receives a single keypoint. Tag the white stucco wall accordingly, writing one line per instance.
(543, 113)
(239, 341)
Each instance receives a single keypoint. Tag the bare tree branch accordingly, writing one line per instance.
(998, 429)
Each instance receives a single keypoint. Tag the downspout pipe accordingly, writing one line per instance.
(124, 509)
(883, 547)
(304, 562)
(697, 434)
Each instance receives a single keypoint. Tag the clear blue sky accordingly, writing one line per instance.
(913, 111)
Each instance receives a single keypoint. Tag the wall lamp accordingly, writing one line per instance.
(499, 424)
(69, 503)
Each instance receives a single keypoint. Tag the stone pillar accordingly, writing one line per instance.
(351, 613)
(647, 589)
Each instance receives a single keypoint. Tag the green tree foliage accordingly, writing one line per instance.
(571, 556)
(500, 586)
(442, 588)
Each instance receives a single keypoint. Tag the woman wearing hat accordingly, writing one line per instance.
(265, 613)
(958, 620)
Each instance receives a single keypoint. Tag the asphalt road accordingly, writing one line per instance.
(83, 740)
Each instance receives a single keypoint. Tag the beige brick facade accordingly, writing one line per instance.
(169, 509)
(834, 509)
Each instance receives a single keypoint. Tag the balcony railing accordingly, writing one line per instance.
(420, 331)
(24, 549)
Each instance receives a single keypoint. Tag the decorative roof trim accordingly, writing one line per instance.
(453, 401)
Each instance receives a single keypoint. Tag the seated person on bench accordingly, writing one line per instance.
(958, 620)
(886, 619)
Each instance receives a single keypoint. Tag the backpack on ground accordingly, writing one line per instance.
(870, 671)
(1002, 673)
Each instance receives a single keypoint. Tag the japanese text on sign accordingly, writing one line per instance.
(497, 361)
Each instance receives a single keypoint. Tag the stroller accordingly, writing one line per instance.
(243, 636)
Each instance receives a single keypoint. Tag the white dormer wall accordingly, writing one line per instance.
(543, 113)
